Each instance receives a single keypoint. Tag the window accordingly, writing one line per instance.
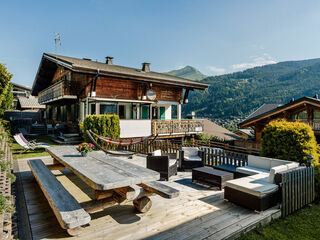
(73, 112)
(108, 108)
(122, 113)
(316, 115)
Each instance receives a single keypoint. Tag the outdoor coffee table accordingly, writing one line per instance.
(211, 176)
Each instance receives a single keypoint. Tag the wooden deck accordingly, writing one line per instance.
(198, 213)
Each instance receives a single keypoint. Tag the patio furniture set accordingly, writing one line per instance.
(252, 186)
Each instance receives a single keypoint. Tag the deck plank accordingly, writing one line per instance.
(189, 214)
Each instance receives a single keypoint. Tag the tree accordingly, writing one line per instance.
(6, 96)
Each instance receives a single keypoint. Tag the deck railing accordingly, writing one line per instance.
(297, 189)
(175, 127)
(225, 146)
(214, 157)
(148, 146)
(53, 92)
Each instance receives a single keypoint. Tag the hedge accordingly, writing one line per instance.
(291, 141)
(107, 125)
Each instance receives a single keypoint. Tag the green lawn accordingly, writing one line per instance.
(302, 225)
(17, 150)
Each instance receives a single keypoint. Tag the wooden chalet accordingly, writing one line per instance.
(146, 102)
(305, 109)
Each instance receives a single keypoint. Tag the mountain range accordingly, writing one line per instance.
(236, 95)
(188, 72)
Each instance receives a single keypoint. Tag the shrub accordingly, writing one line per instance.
(12, 177)
(289, 141)
(107, 125)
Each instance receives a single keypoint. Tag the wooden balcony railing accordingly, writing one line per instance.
(172, 127)
(314, 124)
(54, 92)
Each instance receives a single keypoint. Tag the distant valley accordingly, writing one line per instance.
(236, 95)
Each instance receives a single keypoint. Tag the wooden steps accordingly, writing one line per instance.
(68, 139)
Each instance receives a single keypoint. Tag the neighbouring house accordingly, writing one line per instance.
(245, 133)
(29, 103)
(147, 102)
(212, 129)
(305, 109)
(19, 90)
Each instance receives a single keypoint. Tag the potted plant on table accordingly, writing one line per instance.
(84, 148)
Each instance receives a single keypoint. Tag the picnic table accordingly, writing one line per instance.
(113, 180)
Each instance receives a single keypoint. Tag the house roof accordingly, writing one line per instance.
(211, 129)
(264, 108)
(93, 67)
(267, 111)
(30, 102)
(21, 86)
(247, 132)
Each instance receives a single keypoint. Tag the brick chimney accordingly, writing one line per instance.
(109, 60)
(146, 67)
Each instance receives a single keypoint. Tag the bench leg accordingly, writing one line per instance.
(143, 204)
(74, 231)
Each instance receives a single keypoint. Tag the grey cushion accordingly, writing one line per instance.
(259, 162)
(172, 162)
(156, 153)
(190, 151)
(275, 170)
(278, 162)
(250, 185)
(192, 158)
(292, 165)
(251, 170)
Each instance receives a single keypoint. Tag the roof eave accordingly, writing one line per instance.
(198, 86)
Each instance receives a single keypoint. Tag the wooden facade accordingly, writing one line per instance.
(304, 110)
(71, 92)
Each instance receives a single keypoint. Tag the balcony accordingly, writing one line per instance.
(177, 127)
(55, 92)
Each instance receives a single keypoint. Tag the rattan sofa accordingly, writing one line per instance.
(254, 186)
(164, 163)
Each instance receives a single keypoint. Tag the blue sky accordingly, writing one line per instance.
(214, 36)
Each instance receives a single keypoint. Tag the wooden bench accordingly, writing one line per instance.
(70, 215)
(160, 189)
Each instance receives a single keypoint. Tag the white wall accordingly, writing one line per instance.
(135, 128)
(168, 112)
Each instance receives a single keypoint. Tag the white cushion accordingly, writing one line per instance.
(192, 158)
(190, 151)
(275, 170)
(251, 170)
(172, 162)
(261, 176)
(259, 162)
(156, 153)
(278, 162)
(255, 187)
(292, 165)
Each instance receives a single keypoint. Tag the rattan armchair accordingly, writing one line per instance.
(165, 164)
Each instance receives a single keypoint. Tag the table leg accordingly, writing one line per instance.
(143, 204)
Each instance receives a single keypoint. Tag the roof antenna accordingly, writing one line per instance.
(57, 41)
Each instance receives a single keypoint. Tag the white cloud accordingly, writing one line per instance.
(256, 61)
(216, 70)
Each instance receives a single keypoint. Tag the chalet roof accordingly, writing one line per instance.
(211, 129)
(267, 110)
(93, 67)
(30, 102)
(246, 131)
(264, 108)
(21, 86)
